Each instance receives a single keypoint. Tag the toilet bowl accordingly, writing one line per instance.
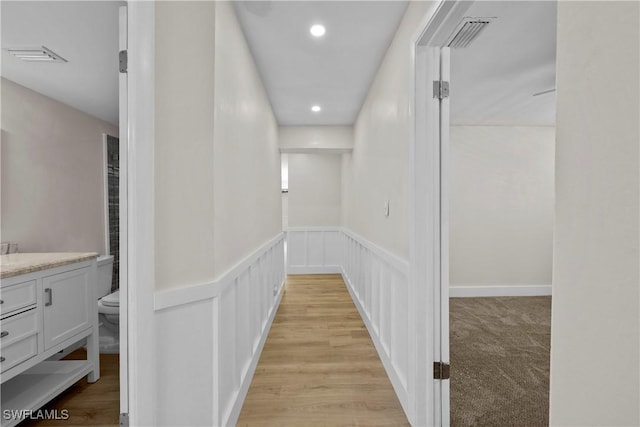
(108, 307)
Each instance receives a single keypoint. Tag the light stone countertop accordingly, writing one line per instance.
(22, 263)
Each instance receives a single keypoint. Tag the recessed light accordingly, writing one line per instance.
(316, 108)
(317, 30)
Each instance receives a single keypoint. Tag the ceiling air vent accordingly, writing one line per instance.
(467, 31)
(36, 54)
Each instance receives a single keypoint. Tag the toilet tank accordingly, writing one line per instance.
(105, 273)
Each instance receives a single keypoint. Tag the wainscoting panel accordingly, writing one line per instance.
(223, 325)
(316, 250)
(185, 349)
(378, 284)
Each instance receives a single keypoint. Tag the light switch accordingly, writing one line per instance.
(386, 208)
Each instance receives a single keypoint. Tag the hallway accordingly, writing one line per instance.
(319, 365)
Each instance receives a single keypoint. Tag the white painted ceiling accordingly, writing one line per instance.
(83, 32)
(334, 71)
(493, 80)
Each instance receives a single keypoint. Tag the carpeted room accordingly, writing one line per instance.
(501, 207)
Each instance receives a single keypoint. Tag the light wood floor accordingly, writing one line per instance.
(319, 365)
(96, 404)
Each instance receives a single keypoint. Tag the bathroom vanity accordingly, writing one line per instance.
(47, 304)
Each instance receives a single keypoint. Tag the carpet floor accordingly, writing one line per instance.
(500, 361)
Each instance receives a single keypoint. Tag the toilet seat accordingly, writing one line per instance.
(111, 300)
(110, 304)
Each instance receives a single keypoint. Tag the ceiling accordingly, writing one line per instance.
(493, 80)
(84, 33)
(334, 71)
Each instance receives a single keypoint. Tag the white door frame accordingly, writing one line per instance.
(138, 165)
(428, 318)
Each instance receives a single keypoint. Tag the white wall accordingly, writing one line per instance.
(378, 168)
(217, 159)
(377, 171)
(52, 174)
(595, 313)
(218, 241)
(184, 193)
(501, 205)
(315, 191)
(309, 138)
(246, 169)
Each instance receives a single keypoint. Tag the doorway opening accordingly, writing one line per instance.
(74, 106)
(484, 197)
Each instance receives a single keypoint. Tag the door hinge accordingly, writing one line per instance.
(124, 419)
(124, 61)
(440, 89)
(441, 371)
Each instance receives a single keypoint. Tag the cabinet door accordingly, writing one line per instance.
(66, 305)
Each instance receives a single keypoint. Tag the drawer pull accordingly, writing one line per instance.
(4, 334)
(2, 359)
(48, 297)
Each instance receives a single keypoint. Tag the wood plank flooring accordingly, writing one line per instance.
(319, 365)
(96, 404)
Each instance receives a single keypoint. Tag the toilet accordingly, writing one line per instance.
(108, 307)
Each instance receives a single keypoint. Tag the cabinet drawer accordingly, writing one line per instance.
(18, 352)
(18, 327)
(18, 296)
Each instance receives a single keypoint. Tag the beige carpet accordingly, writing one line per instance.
(500, 361)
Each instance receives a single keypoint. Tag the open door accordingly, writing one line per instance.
(124, 254)
(429, 222)
(445, 123)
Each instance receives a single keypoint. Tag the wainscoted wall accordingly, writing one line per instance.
(210, 337)
(314, 250)
(378, 284)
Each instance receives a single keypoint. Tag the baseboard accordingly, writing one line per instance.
(232, 419)
(386, 361)
(331, 269)
(470, 291)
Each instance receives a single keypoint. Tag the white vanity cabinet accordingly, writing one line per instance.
(47, 304)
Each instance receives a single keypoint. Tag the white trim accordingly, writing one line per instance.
(471, 291)
(105, 188)
(189, 294)
(396, 382)
(425, 314)
(314, 250)
(140, 244)
(170, 298)
(318, 228)
(246, 383)
(327, 269)
(123, 212)
(239, 309)
(379, 290)
(395, 261)
(315, 150)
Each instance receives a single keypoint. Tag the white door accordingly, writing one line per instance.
(124, 267)
(445, 76)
